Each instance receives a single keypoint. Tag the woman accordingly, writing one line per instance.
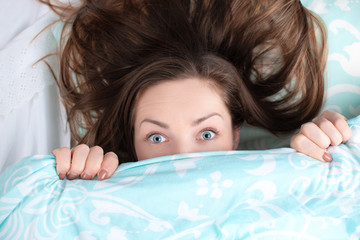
(172, 105)
(271, 46)
(178, 106)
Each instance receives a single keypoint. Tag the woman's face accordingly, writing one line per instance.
(183, 116)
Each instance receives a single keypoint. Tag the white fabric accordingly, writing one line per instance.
(37, 127)
(15, 16)
(21, 77)
(31, 121)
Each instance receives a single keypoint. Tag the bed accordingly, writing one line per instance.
(249, 194)
(273, 194)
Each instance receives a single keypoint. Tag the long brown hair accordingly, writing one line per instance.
(275, 49)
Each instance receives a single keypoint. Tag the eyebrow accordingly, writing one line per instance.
(202, 119)
(160, 124)
(194, 123)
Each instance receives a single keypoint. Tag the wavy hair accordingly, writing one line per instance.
(268, 56)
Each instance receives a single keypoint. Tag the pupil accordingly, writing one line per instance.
(207, 135)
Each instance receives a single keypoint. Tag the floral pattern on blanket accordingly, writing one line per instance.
(271, 194)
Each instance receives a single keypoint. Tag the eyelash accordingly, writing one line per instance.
(147, 137)
(215, 131)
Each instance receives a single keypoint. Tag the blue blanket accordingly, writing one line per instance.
(275, 194)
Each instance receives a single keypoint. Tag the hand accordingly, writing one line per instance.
(330, 128)
(85, 162)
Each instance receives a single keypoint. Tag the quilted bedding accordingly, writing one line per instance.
(273, 194)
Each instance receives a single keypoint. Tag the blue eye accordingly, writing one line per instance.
(207, 135)
(157, 138)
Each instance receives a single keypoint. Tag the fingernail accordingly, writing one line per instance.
(327, 157)
(71, 176)
(62, 176)
(102, 174)
(85, 176)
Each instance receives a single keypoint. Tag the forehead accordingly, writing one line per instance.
(187, 96)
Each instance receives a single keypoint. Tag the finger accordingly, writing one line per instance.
(93, 163)
(78, 160)
(330, 130)
(330, 115)
(315, 134)
(63, 160)
(108, 166)
(304, 145)
(339, 121)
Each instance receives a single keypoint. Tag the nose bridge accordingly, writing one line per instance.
(184, 145)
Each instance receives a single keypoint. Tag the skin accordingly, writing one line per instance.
(178, 116)
(189, 115)
(183, 116)
(328, 129)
